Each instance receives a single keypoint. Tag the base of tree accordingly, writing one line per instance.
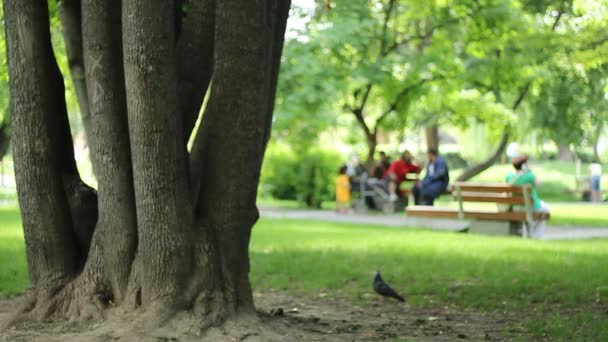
(281, 317)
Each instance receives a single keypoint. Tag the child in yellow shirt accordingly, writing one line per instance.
(342, 191)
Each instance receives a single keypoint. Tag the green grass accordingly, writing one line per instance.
(13, 267)
(553, 284)
(547, 281)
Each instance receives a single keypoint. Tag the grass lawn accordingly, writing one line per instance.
(561, 288)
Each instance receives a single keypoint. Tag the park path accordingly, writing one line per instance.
(400, 221)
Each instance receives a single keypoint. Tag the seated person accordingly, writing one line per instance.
(382, 166)
(435, 182)
(523, 175)
(397, 173)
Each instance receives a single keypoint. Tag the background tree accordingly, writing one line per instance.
(167, 230)
(394, 48)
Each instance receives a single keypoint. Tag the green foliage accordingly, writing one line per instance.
(307, 177)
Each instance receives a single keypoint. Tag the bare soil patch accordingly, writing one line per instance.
(285, 318)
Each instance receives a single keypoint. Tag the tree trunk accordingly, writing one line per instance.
(432, 136)
(372, 144)
(596, 140)
(479, 168)
(116, 232)
(71, 23)
(170, 231)
(52, 252)
(564, 153)
(5, 140)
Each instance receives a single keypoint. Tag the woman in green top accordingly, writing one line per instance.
(523, 175)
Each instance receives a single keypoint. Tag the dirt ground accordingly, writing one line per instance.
(287, 318)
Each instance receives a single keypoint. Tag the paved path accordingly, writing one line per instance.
(552, 232)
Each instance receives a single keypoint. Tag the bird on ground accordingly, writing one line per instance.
(383, 289)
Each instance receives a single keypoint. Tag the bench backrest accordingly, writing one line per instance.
(502, 193)
(492, 193)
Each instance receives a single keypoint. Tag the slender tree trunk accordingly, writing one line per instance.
(432, 136)
(500, 150)
(372, 144)
(596, 140)
(71, 23)
(478, 168)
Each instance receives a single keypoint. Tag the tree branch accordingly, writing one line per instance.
(560, 13)
(195, 61)
(522, 95)
(479, 84)
(387, 16)
(361, 121)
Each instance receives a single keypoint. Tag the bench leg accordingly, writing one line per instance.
(524, 230)
(515, 228)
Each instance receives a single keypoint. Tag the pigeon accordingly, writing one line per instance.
(383, 289)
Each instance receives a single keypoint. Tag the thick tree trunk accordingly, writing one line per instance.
(432, 136)
(115, 241)
(372, 144)
(227, 204)
(53, 255)
(168, 237)
(479, 168)
(564, 153)
(164, 212)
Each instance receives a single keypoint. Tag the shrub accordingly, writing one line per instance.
(308, 178)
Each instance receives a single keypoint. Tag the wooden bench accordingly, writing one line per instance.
(499, 193)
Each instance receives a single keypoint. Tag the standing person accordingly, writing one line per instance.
(342, 191)
(595, 169)
(435, 181)
(397, 173)
(523, 175)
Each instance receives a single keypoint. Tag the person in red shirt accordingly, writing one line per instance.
(397, 173)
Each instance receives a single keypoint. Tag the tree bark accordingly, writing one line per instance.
(195, 61)
(5, 140)
(596, 140)
(53, 256)
(164, 213)
(227, 204)
(160, 241)
(564, 153)
(71, 23)
(432, 136)
(115, 240)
